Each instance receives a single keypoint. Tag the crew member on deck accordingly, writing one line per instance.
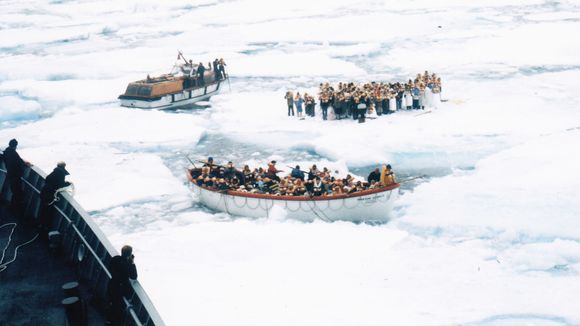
(222, 68)
(122, 269)
(200, 74)
(15, 167)
(54, 182)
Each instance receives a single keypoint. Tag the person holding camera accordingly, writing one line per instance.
(122, 269)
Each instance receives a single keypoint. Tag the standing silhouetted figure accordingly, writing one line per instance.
(200, 74)
(15, 167)
(122, 268)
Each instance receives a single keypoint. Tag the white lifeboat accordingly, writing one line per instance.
(373, 205)
(178, 88)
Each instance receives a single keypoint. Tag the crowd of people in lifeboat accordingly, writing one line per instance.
(314, 182)
(350, 100)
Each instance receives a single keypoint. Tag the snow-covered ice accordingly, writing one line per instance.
(490, 237)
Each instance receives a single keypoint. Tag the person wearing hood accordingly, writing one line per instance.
(54, 181)
(387, 176)
(15, 167)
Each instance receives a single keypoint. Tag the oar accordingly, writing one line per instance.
(190, 161)
(204, 162)
(288, 166)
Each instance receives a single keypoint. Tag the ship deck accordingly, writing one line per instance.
(30, 287)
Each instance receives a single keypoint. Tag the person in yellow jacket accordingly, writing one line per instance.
(387, 176)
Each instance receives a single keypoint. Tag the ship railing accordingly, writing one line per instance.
(85, 245)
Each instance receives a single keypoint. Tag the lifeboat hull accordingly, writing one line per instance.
(169, 101)
(367, 206)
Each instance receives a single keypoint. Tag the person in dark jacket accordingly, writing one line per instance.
(222, 68)
(216, 70)
(54, 181)
(230, 171)
(15, 167)
(122, 268)
(200, 74)
(374, 176)
(297, 173)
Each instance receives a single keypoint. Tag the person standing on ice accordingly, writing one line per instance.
(422, 96)
(15, 167)
(324, 103)
(392, 101)
(290, 100)
(436, 99)
(298, 101)
(429, 95)
(416, 94)
(408, 98)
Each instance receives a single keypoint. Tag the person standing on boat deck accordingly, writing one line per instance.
(54, 181)
(297, 173)
(374, 176)
(387, 176)
(200, 74)
(272, 170)
(290, 100)
(222, 68)
(15, 167)
(298, 101)
(216, 70)
(122, 269)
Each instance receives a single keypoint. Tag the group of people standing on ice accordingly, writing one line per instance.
(350, 100)
(313, 182)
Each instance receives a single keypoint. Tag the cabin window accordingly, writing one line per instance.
(145, 91)
(132, 90)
